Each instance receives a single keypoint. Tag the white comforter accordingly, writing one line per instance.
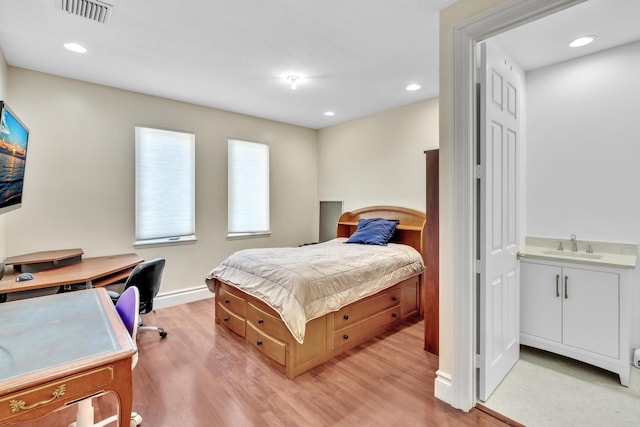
(307, 282)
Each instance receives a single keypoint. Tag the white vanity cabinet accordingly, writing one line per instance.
(579, 311)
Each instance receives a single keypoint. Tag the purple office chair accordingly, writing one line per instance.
(128, 307)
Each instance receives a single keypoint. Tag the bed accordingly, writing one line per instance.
(303, 306)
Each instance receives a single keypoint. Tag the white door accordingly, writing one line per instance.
(498, 345)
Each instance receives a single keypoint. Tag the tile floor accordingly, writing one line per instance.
(548, 390)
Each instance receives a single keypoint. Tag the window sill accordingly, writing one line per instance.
(166, 241)
(238, 236)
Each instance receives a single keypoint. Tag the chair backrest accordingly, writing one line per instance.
(146, 277)
(128, 307)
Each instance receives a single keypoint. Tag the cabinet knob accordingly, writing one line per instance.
(227, 301)
(394, 315)
(226, 319)
(260, 321)
(259, 342)
(345, 337)
(394, 298)
(345, 317)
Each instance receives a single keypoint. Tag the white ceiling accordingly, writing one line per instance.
(546, 41)
(355, 56)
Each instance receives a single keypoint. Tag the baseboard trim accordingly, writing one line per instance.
(182, 296)
(443, 387)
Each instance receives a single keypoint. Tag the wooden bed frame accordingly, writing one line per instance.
(336, 332)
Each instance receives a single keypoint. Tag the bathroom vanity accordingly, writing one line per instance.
(577, 303)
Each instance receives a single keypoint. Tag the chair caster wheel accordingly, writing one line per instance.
(136, 420)
(163, 334)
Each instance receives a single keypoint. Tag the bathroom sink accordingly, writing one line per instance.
(569, 254)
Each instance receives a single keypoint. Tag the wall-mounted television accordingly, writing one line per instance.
(14, 136)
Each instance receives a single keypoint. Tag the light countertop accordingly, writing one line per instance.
(605, 254)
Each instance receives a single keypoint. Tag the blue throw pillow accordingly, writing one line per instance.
(374, 231)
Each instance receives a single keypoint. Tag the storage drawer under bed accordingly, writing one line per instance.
(266, 323)
(266, 344)
(231, 320)
(232, 302)
(357, 311)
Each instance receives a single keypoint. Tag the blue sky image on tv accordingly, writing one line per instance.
(13, 154)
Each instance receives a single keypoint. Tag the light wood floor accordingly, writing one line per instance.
(203, 375)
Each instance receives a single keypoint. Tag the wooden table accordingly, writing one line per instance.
(93, 272)
(58, 349)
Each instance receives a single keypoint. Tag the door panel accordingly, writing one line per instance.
(499, 324)
(541, 301)
(590, 312)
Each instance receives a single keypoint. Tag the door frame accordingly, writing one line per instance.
(466, 35)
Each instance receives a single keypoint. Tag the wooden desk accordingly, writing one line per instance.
(44, 260)
(58, 349)
(93, 272)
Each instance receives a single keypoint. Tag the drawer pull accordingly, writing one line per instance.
(21, 405)
(227, 301)
(394, 298)
(394, 315)
(345, 337)
(566, 287)
(557, 285)
(226, 319)
(345, 317)
(259, 342)
(260, 321)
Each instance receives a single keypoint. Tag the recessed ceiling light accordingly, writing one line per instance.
(582, 41)
(75, 47)
(293, 81)
(329, 113)
(413, 87)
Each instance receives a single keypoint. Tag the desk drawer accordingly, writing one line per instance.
(231, 320)
(42, 399)
(266, 344)
(266, 323)
(371, 306)
(232, 302)
(365, 329)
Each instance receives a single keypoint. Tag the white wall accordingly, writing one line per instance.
(79, 184)
(583, 152)
(379, 159)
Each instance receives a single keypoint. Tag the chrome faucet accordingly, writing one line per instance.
(574, 243)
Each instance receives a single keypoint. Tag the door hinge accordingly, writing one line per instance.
(479, 171)
(479, 267)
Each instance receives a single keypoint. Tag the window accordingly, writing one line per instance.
(248, 188)
(165, 185)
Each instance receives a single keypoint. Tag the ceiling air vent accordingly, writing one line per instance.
(94, 10)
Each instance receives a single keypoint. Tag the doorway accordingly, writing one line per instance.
(609, 103)
(466, 36)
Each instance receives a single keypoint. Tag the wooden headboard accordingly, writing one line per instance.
(409, 231)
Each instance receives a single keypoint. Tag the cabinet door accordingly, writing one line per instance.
(540, 301)
(590, 313)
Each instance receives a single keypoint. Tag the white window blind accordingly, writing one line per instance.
(165, 185)
(248, 181)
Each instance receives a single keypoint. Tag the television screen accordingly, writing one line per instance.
(13, 155)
